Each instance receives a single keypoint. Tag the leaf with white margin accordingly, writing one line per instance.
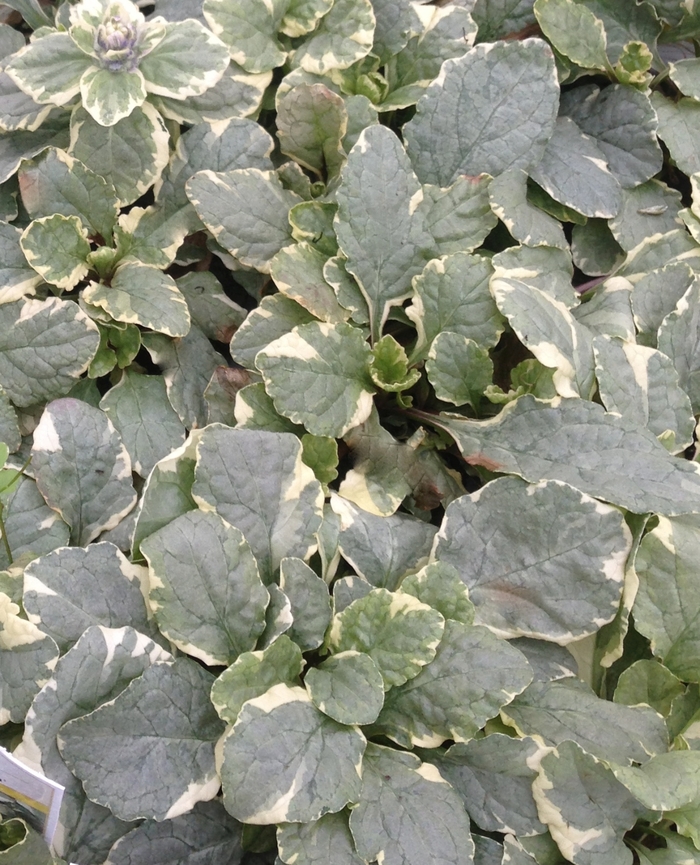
(318, 376)
(543, 440)
(342, 37)
(246, 210)
(527, 224)
(679, 338)
(17, 278)
(205, 831)
(187, 365)
(302, 16)
(574, 31)
(383, 256)
(679, 127)
(49, 68)
(276, 315)
(283, 761)
(658, 250)
(586, 808)
(205, 591)
(655, 296)
(140, 411)
(574, 171)
(452, 293)
(214, 313)
(57, 247)
(57, 183)
(498, 18)
(149, 752)
(608, 309)
(408, 814)
(634, 24)
(623, 123)
(249, 29)
(646, 210)
(494, 777)
(648, 681)
(550, 331)
(473, 675)
(552, 712)
(349, 589)
(397, 631)
(253, 409)
(325, 840)
(311, 123)
(459, 218)
(257, 482)
(667, 606)
(347, 687)
(513, 127)
(72, 588)
(310, 602)
(642, 384)
(87, 830)
(254, 673)
(548, 268)
(153, 235)
(19, 145)
(382, 549)
(439, 586)
(278, 617)
(142, 294)
(27, 658)
(30, 524)
(132, 153)
(458, 369)
(298, 272)
(82, 468)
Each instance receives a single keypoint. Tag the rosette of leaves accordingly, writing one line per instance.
(112, 58)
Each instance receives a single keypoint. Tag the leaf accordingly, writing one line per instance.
(459, 217)
(548, 268)
(395, 24)
(407, 813)
(441, 139)
(110, 96)
(347, 687)
(389, 367)
(252, 674)
(320, 453)
(142, 294)
(73, 588)
(438, 585)
(494, 777)
(678, 338)
(322, 841)
(607, 310)
(210, 308)
(132, 153)
(276, 316)
(679, 124)
(397, 631)
(539, 440)
(458, 369)
(527, 224)
(255, 410)
(58, 183)
(139, 410)
(16, 276)
(246, 210)
(49, 68)
(594, 249)
(285, 762)
(22, 144)
(30, 524)
(258, 483)
(575, 172)
(310, 603)
(498, 18)
(472, 676)
(298, 272)
(574, 31)
(552, 712)
(56, 247)
(278, 617)
(249, 31)
(311, 123)
(82, 468)
(343, 36)
(649, 682)
(666, 607)
(318, 376)
(143, 756)
(205, 590)
(378, 179)
(382, 549)
(586, 808)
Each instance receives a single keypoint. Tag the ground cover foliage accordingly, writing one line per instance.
(349, 374)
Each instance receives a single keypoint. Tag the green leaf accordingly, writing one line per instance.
(498, 18)
(397, 631)
(302, 16)
(458, 369)
(574, 31)
(142, 294)
(249, 30)
(255, 410)
(257, 482)
(638, 23)
(389, 367)
(348, 687)
(378, 179)
(594, 249)
(634, 64)
(246, 210)
(649, 682)
(607, 310)
(252, 674)
(109, 96)
(284, 761)
(318, 376)
(153, 235)
(30, 524)
(678, 338)
(548, 268)
(72, 588)
(459, 217)
(16, 276)
(22, 144)
(395, 24)
(320, 453)
(317, 843)
(472, 676)
(214, 313)
(438, 585)
(684, 74)
(278, 617)
(165, 743)
(205, 590)
(407, 813)
(132, 153)
(382, 549)
(57, 247)
(82, 468)
(57, 183)
(540, 440)
(139, 409)
(276, 316)
(513, 130)
(311, 123)
(528, 224)
(21, 843)
(649, 209)
(298, 272)
(49, 68)
(494, 777)
(552, 712)
(343, 36)
(679, 125)
(574, 171)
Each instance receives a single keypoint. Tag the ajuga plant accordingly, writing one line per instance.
(349, 374)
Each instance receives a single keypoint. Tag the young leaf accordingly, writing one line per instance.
(458, 369)
(347, 687)
(311, 123)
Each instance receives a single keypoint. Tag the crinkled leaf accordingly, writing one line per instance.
(678, 337)
(459, 217)
(343, 36)
(311, 123)
(249, 30)
(347, 687)
(438, 585)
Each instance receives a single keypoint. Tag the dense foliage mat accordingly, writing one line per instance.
(349, 374)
